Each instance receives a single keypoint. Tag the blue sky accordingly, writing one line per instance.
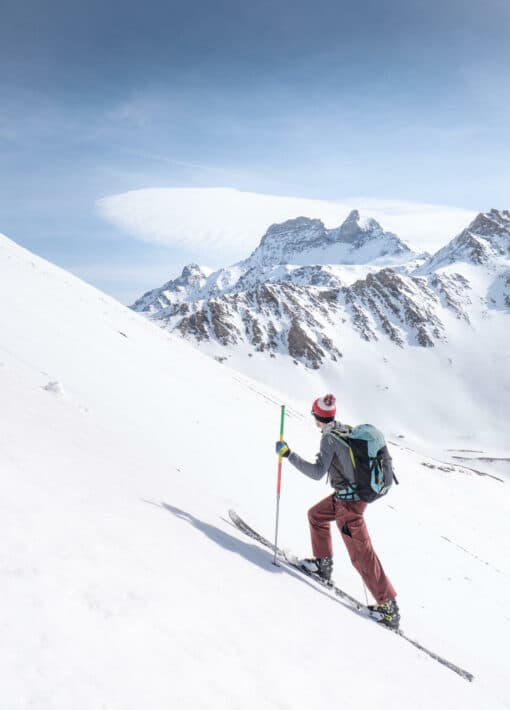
(405, 101)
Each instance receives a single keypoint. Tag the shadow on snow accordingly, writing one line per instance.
(251, 552)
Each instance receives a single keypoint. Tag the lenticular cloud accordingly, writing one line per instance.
(212, 219)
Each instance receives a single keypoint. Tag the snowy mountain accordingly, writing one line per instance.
(263, 308)
(188, 286)
(306, 241)
(295, 299)
(124, 587)
(298, 288)
(485, 241)
(298, 242)
(275, 280)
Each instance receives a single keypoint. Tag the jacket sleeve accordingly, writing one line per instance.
(322, 463)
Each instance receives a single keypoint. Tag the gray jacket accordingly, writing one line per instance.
(333, 458)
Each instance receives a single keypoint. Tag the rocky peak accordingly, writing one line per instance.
(283, 240)
(289, 298)
(357, 231)
(360, 233)
(191, 280)
(306, 241)
(485, 239)
(191, 270)
(192, 274)
(489, 224)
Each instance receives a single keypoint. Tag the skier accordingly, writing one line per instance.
(344, 507)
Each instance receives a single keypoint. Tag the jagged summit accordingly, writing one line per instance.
(487, 238)
(356, 230)
(304, 241)
(301, 242)
(494, 222)
(292, 237)
(191, 280)
(293, 295)
(190, 271)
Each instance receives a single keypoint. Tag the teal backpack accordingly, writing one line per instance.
(371, 461)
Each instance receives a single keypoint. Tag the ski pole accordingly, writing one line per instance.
(278, 485)
(365, 590)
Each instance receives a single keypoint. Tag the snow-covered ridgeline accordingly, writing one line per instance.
(348, 320)
(298, 242)
(399, 295)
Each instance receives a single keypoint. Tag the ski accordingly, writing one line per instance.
(355, 605)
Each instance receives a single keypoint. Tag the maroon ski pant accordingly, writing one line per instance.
(349, 518)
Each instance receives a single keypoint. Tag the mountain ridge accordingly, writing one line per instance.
(275, 305)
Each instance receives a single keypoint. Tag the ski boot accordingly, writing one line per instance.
(387, 613)
(320, 566)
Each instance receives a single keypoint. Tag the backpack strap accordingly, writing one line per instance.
(340, 436)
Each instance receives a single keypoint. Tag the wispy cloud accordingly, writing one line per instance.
(223, 223)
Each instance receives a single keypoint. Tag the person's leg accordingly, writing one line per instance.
(319, 517)
(350, 521)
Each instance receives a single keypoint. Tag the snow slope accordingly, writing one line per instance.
(123, 587)
(363, 327)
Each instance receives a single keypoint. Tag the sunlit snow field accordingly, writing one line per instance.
(124, 586)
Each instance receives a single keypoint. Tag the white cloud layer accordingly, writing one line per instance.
(223, 224)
